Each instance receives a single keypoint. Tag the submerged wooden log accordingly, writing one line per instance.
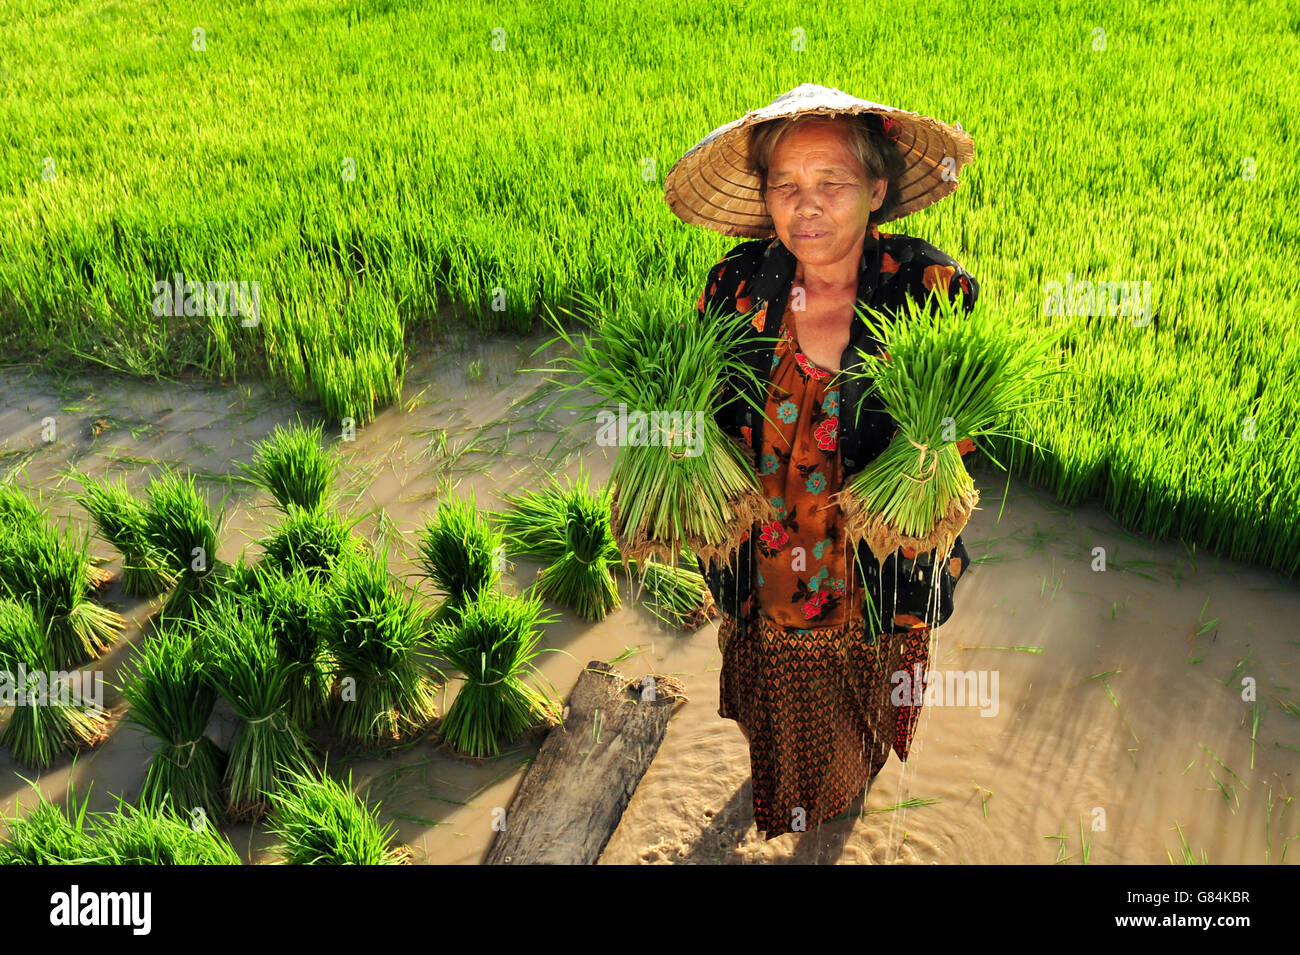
(575, 791)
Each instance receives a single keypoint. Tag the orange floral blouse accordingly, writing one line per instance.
(801, 565)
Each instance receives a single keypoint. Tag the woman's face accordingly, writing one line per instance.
(819, 197)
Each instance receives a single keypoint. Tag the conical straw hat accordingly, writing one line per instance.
(714, 186)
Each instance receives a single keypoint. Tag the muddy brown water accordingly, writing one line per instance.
(1008, 782)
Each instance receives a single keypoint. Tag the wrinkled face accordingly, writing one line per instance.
(818, 195)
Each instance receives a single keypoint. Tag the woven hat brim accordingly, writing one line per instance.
(713, 186)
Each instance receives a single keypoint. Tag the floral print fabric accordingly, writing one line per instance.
(801, 567)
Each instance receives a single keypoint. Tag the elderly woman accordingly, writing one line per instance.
(805, 675)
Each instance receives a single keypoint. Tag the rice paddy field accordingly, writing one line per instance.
(396, 193)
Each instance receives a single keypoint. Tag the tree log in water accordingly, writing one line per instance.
(574, 793)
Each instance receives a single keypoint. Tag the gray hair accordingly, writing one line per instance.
(866, 140)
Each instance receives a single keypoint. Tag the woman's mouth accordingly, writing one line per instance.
(809, 235)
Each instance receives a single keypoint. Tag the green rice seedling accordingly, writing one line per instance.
(943, 377)
(677, 595)
(49, 570)
(292, 605)
(242, 578)
(460, 552)
(245, 668)
(678, 479)
(47, 717)
(493, 645)
(313, 539)
(324, 822)
(385, 688)
(293, 465)
(157, 835)
(49, 834)
(122, 520)
(171, 699)
(532, 525)
(183, 528)
(17, 510)
(581, 577)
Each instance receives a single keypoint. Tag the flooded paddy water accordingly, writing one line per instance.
(1111, 736)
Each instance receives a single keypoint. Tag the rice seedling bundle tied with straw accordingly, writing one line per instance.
(46, 718)
(314, 539)
(122, 520)
(323, 822)
(171, 698)
(943, 376)
(678, 479)
(535, 526)
(49, 571)
(182, 526)
(460, 553)
(493, 645)
(293, 606)
(385, 689)
(244, 666)
(570, 527)
(293, 465)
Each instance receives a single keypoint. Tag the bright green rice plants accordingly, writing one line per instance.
(46, 716)
(49, 834)
(157, 835)
(314, 539)
(677, 595)
(581, 576)
(324, 822)
(122, 520)
(245, 667)
(171, 699)
(532, 522)
(294, 466)
(493, 645)
(181, 525)
(678, 480)
(460, 552)
(16, 509)
(292, 605)
(49, 571)
(384, 687)
(943, 376)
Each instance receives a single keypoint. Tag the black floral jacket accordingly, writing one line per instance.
(756, 277)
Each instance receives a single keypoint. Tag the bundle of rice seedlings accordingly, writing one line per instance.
(48, 717)
(49, 571)
(532, 525)
(569, 529)
(245, 668)
(122, 520)
(16, 509)
(323, 822)
(493, 644)
(294, 466)
(156, 835)
(677, 595)
(581, 577)
(938, 367)
(49, 835)
(385, 689)
(678, 479)
(292, 605)
(460, 552)
(171, 699)
(20, 517)
(314, 539)
(182, 527)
